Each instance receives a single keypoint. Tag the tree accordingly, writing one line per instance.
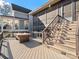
(5, 8)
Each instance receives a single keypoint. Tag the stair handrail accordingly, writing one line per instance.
(54, 19)
(50, 23)
(64, 18)
(47, 26)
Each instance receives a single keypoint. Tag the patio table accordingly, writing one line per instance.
(23, 37)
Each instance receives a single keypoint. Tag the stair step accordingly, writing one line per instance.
(68, 47)
(65, 52)
(70, 42)
(72, 29)
(71, 32)
(72, 39)
(74, 21)
(71, 36)
(72, 26)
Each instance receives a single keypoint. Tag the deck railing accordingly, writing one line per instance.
(1, 40)
(53, 32)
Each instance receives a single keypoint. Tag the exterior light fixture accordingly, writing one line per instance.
(49, 5)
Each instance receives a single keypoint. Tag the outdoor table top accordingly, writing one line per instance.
(23, 34)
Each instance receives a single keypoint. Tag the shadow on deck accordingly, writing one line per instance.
(32, 44)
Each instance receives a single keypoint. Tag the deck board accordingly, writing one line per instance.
(32, 50)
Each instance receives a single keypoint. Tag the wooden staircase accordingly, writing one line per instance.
(63, 40)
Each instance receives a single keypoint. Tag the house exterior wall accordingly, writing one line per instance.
(13, 23)
(20, 24)
(20, 14)
(68, 11)
(47, 15)
(21, 21)
(17, 16)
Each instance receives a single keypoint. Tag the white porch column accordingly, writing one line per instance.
(1, 27)
(62, 11)
(73, 10)
(30, 27)
(21, 24)
(13, 24)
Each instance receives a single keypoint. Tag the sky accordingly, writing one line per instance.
(30, 4)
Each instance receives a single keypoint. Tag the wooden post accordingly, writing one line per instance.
(58, 9)
(73, 10)
(30, 26)
(43, 37)
(77, 39)
(46, 15)
(2, 24)
(62, 9)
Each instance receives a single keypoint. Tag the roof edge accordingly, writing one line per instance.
(20, 8)
(44, 6)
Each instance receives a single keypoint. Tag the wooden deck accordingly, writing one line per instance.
(29, 50)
